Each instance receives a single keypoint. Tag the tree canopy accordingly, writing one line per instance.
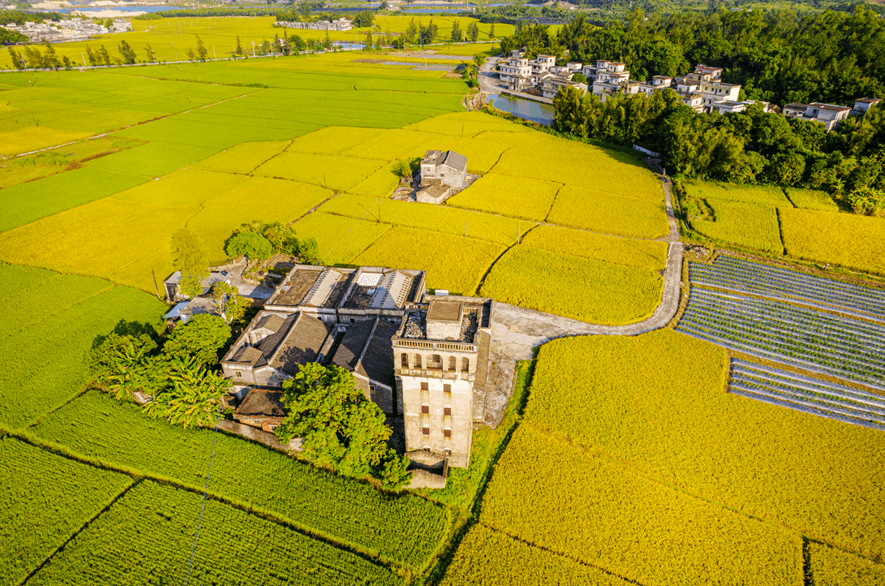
(340, 427)
(201, 338)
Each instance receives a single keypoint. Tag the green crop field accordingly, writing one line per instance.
(147, 535)
(656, 403)
(404, 530)
(44, 500)
(42, 308)
(811, 199)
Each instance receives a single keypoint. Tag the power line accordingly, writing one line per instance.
(190, 564)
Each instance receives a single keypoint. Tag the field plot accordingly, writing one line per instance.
(642, 254)
(781, 284)
(853, 241)
(467, 124)
(452, 262)
(335, 140)
(156, 523)
(603, 212)
(547, 158)
(831, 567)
(843, 347)
(429, 217)
(573, 286)
(340, 238)
(43, 164)
(402, 530)
(243, 158)
(35, 487)
(657, 404)
(754, 194)
(486, 556)
(509, 196)
(329, 171)
(58, 316)
(748, 225)
(31, 201)
(47, 109)
(811, 199)
(590, 508)
(153, 159)
(819, 397)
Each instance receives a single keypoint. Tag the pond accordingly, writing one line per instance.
(525, 109)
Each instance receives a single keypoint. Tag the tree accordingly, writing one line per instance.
(150, 55)
(66, 62)
(127, 53)
(340, 427)
(16, 59)
(370, 42)
(117, 363)
(201, 338)
(104, 56)
(189, 257)
(249, 243)
(193, 397)
(229, 303)
(309, 250)
(93, 59)
(238, 49)
(492, 31)
(297, 43)
(411, 34)
(202, 53)
(364, 19)
(472, 31)
(50, 58)
(304, 10)
(191, 55)
(456, 33)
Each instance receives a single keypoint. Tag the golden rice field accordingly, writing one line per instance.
(454, 263)
(605, 212)
(517, 197)
(596, 510)
(832, 567)
(746, 225)
(856, 242)
(340, 238)
(657, 404)
(641, 254)
(811, 199)
(572, 286)
(486, 556)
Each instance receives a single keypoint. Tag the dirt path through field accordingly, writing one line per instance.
(517, 331)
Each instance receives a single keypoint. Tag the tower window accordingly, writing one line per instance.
(425, 431)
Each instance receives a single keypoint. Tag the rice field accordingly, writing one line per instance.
(597, 211)
(454, 263)
(746, 225)
(811, 199)
(585, 506)
(656, 403)
(340, 238)
(641, 254)
(852, 241)
(516, 197)
(580, 288)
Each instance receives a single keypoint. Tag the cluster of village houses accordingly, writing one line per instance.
(340, 24)
(702, 90)
(63, 31)
(423, 359)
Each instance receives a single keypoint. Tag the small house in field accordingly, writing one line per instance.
(442, 174)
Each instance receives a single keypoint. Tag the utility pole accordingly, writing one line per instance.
(84, 58)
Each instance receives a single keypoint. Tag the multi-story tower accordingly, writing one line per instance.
(440, 352)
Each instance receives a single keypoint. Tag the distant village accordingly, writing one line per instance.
(702, 90)
(63, 31)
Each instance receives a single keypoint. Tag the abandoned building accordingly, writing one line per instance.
(420, 358)
(442, 175)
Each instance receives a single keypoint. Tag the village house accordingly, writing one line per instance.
(861, 105)
(830, 115)
(340, 24)
(539, 76)
(443, 173)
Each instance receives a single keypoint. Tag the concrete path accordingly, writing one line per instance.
(516, 331)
